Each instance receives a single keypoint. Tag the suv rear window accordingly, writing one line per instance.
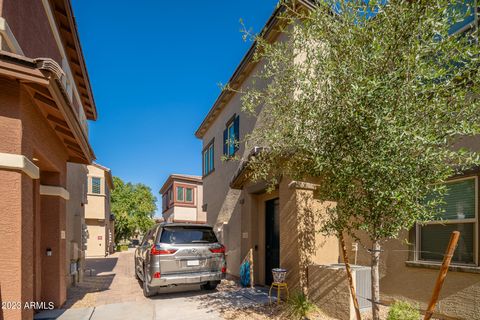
(187, 235)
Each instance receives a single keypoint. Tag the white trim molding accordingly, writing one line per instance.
(12, 161)
(54, 191)
(7, 34)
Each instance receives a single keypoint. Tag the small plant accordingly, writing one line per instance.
(402, 310)
(298, 306)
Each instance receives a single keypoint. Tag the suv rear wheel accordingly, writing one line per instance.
(147, 290)
(211, 285)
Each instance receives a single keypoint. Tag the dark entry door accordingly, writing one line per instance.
(272, 238)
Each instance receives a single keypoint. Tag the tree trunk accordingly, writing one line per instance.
(350, 278)
(376, 280)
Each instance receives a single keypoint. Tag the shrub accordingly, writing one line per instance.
(298, 306)
(122, 247)
(401, 310)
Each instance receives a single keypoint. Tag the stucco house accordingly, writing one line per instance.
(281, 229)
(99, 219)
(182, 199)
(46, 100)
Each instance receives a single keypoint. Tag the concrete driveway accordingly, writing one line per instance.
(112, 292)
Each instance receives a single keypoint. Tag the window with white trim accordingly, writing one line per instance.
(459, 214)
(184, 194)
(96, 185)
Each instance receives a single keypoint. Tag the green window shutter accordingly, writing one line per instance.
(236, 128)
(225, 140)
(211, 158)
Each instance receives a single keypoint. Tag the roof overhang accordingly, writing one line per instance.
(241, 176)
(108, 174)
(67, 27)
(41, 78)
(270, 32)
(180, 178)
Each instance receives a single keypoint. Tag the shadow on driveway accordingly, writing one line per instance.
(98, 277)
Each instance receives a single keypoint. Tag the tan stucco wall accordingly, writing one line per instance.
(96, 247)
(301, 243)
(97, 215)
(224, 210)
(95, 207)
(329, 290)
(185, 213)
(180, 213)
(460, 295)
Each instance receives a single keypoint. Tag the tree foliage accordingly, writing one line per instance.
(134, 206)
(371, 99)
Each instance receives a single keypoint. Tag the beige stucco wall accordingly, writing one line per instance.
(460, 295)
(301, 243)
(223, 203)
(97, 205)
(97, 215)
(96, 247)
(183, 213)
(329, 290)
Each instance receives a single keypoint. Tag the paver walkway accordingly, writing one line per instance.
(112, 292)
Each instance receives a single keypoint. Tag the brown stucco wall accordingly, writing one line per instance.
(28, 230)
(35, 37)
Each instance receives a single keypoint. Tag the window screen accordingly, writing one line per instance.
(96, 185)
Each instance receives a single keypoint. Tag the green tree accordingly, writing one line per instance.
(372, 106)
(134, 206)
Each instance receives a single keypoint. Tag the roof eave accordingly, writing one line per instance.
(246, 60)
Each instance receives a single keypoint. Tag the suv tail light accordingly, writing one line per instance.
(159, 251)
(220, 249)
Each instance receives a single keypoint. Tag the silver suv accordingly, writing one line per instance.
(174, 254)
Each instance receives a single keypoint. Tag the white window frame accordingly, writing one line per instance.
(418, 228)
(102, 191)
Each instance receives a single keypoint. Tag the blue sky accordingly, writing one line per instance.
(155, 69)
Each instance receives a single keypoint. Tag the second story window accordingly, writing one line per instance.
(180, 195)
(208, 158)
(184, 194)
(231, 136)
(96, 185)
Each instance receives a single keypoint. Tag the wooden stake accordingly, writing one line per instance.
(250, 255)
(442, 274)
(350, 278)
